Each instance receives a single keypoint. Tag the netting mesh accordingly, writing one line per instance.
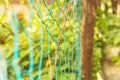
(46, 46)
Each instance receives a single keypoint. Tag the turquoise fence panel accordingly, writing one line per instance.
(41, 40)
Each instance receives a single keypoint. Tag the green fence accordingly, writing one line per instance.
(47, 45)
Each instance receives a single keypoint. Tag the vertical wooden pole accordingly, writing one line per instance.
(89, 8)
(118, 8)
(114, 6)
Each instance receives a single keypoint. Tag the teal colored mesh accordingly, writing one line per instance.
(52, 51)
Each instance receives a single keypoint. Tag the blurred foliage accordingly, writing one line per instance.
(107, 34)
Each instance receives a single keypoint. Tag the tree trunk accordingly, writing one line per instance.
(118, 8)
(114, 5)
(89, 8)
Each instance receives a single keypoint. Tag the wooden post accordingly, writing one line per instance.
(89, 8)
(118, 8)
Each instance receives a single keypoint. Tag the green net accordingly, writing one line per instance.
(46, 46)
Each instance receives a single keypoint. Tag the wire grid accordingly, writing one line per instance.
(54, 53)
